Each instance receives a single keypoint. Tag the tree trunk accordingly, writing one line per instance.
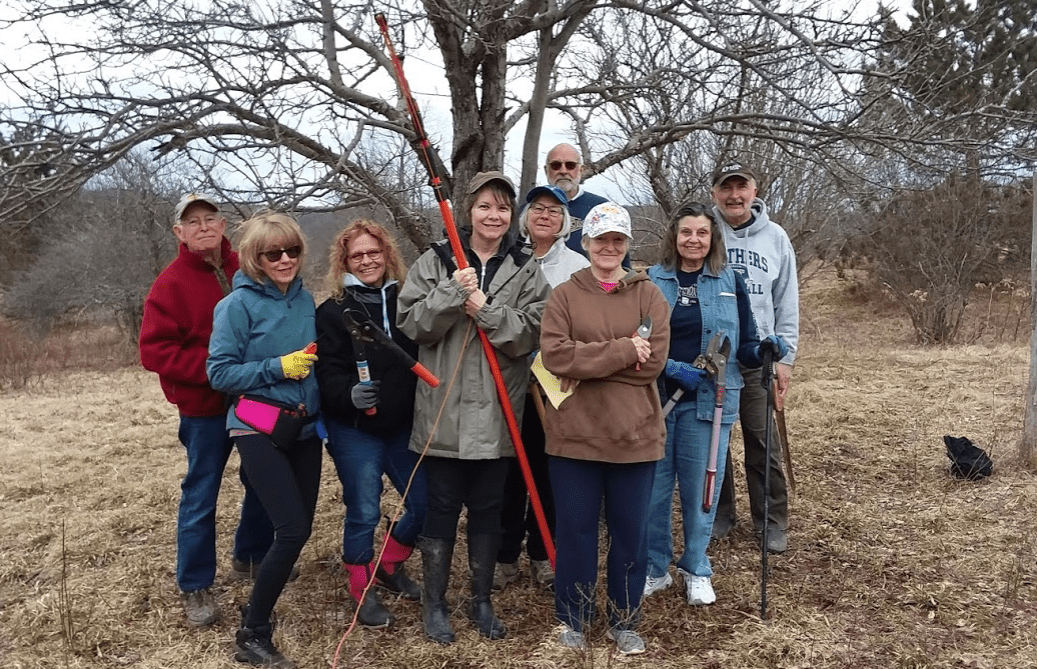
(1028, 442)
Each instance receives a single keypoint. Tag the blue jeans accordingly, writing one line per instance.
(360, 460)
(579, 486)
(684, 464)
(208, 448)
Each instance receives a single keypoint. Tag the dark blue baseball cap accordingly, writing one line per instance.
(554, 191)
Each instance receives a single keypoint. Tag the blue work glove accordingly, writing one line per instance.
(364, 395)
(685, 374)
(775, 344)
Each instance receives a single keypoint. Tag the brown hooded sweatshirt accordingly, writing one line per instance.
(614, 415)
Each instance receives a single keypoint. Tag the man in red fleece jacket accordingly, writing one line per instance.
(174, 342)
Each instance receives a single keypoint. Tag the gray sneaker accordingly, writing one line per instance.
(627, 641)
(201, 607)
(570, 638)
(505, 573)
(542, 573)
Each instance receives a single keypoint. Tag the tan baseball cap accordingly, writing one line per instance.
(483, 178)
(189, 199)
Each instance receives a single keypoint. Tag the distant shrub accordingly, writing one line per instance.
(20, 359)
(930, 250)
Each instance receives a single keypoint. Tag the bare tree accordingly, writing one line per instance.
(115, 236)
(281, 102)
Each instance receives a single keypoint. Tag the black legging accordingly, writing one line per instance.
(286, 482)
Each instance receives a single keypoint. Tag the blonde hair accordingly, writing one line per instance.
(338, 254)
(265, 229)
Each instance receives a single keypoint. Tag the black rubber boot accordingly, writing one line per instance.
(436, 555)
(398, 582)
(254, 646)
(482, 558)
(372, 613)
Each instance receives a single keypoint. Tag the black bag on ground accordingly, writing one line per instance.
(968, 461)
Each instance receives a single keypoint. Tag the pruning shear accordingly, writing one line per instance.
(364, 332)
(644, 330)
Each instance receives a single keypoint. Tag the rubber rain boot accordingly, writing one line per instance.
(436, 555)
(482, 558)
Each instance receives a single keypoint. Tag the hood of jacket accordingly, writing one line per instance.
(759, 222)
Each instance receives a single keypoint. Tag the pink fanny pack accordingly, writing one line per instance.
(282, 422)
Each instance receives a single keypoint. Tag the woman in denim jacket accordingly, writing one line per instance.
(706, 298)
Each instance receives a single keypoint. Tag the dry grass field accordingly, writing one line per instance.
(892, 563)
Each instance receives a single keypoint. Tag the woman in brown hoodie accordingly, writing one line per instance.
(605, 438)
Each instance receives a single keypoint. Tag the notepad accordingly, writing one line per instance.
(551, 384)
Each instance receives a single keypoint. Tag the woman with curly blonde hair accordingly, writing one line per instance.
(369, 424)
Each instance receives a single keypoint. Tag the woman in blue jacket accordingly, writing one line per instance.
(260, 334)
(706, 297)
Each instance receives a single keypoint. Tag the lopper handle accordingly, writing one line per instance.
(364, 372)
(709, 489)
(424, 374)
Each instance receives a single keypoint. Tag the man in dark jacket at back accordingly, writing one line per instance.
(174, 342)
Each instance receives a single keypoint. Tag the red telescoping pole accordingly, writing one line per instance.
(424, 147)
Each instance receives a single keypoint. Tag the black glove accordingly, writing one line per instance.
(364, 395)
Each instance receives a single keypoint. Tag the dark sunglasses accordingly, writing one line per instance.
(274, 256)
(557, 164)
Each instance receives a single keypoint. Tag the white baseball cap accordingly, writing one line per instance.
(606, 217)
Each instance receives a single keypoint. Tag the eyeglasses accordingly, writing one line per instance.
(274, 256)
(538, 209)
(557, 164)
(359, 256)
(211, 221)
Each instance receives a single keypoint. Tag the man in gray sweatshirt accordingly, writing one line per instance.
(760, 250)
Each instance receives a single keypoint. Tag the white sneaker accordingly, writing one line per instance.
(628, 642)
(572, 639)
(700, 589)
(654, 584)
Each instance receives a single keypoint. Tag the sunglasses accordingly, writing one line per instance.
(274, 256)
(557, 164)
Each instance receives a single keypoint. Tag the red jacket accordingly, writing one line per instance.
(177, 324)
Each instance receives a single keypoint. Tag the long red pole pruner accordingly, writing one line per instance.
(433, 165)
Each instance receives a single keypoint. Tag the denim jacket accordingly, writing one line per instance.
(719, 307)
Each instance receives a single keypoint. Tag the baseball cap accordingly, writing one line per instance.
(189, 199)
(483, 178)
(606, 217)
(734, 170)
(554, 191)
